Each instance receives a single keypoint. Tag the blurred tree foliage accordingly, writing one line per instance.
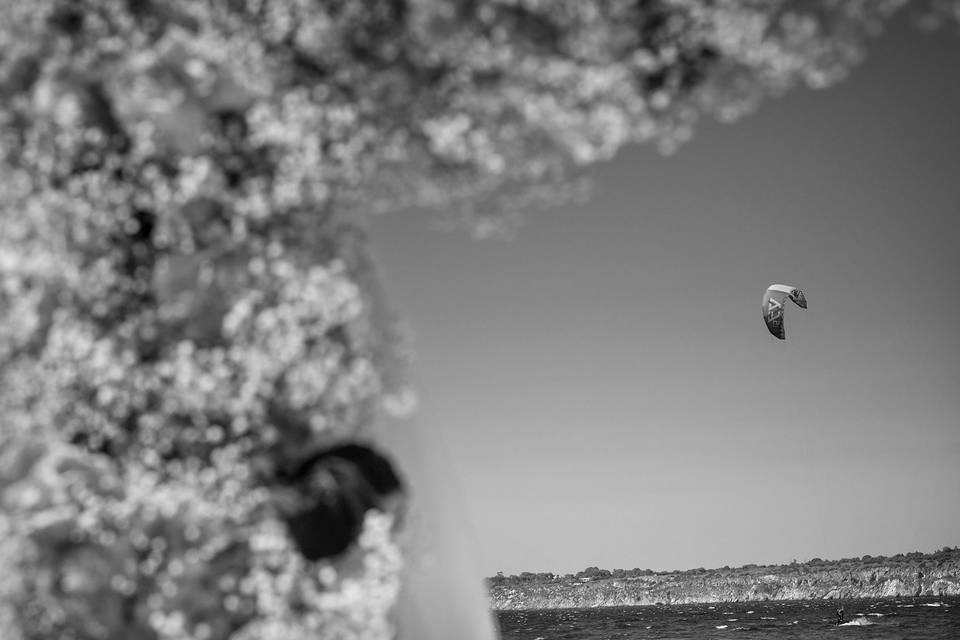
(187, 298)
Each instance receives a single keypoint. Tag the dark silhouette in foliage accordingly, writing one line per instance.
(340, 485)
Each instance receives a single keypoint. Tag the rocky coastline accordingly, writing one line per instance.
(904, 575)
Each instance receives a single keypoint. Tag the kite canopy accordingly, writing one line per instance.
(773, 300)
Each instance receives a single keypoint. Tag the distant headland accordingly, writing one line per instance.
(902, 575)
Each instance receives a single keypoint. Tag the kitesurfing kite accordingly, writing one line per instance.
(773, 301)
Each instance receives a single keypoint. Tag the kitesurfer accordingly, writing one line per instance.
(840, 614)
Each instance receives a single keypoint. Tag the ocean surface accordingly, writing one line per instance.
(883, 619)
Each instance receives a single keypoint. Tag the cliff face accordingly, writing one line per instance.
(927, 576)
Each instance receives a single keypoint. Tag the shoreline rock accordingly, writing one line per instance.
(916, 574)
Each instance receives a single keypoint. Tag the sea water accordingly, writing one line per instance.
(873, 619)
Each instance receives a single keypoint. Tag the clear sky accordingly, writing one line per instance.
(603, 390)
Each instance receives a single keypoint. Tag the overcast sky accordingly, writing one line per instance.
(604, 392)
